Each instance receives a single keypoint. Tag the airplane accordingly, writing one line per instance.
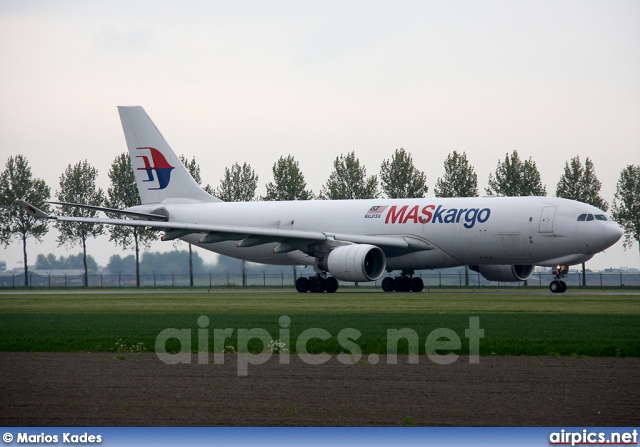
(502, 238)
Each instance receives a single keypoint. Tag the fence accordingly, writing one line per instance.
(432, 279)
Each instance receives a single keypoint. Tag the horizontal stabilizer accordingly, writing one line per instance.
(33, 211)
(149, 216)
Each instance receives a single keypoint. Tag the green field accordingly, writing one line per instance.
(515, 322)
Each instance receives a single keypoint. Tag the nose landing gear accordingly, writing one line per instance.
(557, 285)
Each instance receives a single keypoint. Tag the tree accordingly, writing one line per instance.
(581, 183)
(48, 262)
(118, 264)
(288, 181)
(78, 185)
(459, 180)
(399, 177)
(626, 204)
(239, 184)
(516, 178)
(17, 182)
(349, 180)
(123, 193)
(71, 262)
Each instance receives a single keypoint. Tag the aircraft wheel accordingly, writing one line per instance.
(554, 286)
(417, 284)
(563, 287)
(302, 285)
(331, 284)
(404, 285)
(388, 284)
(318, 285)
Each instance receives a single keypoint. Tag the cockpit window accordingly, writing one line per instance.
(590, 217)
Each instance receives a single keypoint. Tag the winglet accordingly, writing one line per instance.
(33, 211)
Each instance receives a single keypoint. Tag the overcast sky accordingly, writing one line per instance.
(236, 81)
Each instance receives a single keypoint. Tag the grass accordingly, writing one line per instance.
(286, 303)
(515, 322)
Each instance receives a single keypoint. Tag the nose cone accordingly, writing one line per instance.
(602, 236)
(613, 232)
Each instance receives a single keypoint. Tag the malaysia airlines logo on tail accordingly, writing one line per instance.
(159, 164)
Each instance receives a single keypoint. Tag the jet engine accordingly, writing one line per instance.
(356, 262)
(504, 273)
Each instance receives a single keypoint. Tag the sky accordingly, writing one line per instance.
(250, 81)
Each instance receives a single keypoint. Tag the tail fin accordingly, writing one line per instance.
(159, 173)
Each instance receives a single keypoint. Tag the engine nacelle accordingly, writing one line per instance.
(504, 273)
(356, 262)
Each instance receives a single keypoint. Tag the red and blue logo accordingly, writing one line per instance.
(159, 164)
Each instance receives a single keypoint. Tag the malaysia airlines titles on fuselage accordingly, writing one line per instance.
(429, 214)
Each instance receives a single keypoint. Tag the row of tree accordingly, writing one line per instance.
(399, 178)
(175, 261)
(71, 262)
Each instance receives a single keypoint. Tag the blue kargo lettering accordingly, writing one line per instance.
(437, 214)
(470, 217)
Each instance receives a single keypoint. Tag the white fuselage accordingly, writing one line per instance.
(459, 231)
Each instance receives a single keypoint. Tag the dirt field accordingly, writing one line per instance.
(99, 389)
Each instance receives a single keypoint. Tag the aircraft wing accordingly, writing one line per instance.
(247, 236)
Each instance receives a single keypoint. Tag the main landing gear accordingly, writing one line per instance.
(404, 283)
(557, 285)
(317, 284)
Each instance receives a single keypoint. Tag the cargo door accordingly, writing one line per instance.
(546, 219)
